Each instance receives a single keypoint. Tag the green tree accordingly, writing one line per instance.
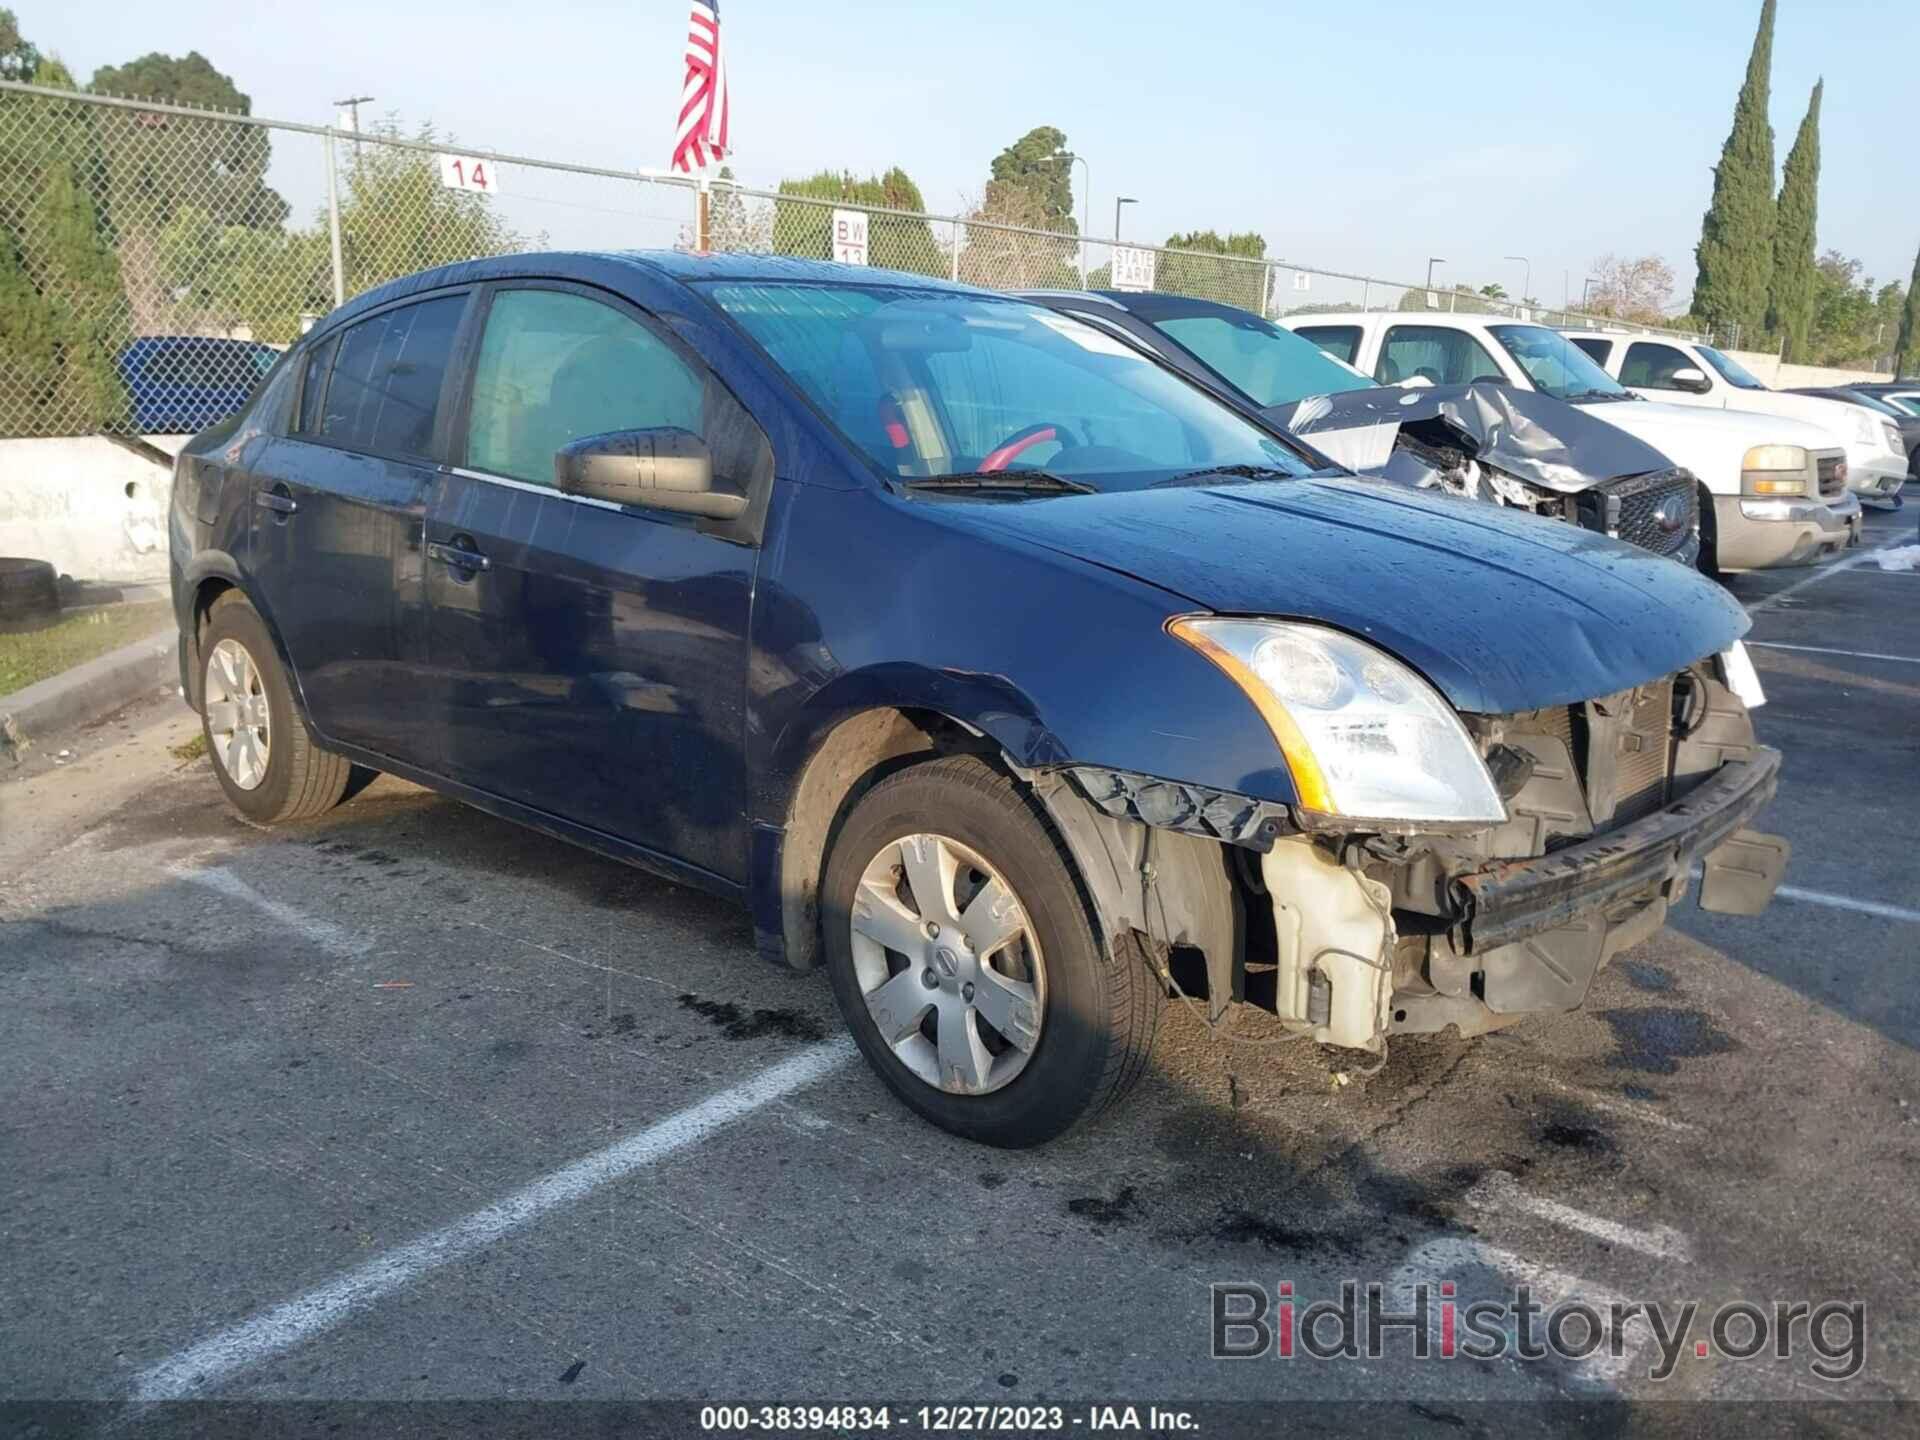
(1190, 270)
(396, 217)
(898, 242)
(62, 316)
(1735, 253)
(1790, 303)
(1906, 348)
(1040, 164)
(19, 58)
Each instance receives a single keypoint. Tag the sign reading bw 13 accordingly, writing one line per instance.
(850, 237)
(463, 172)
(1132, 269)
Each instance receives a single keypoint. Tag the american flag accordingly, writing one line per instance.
(702, 137)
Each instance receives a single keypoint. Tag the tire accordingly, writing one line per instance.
(291, 778)
(27, 588)
(1709, 561)
(1096, 1013)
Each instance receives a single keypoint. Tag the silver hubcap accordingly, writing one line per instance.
(949, 964)
(237, 718)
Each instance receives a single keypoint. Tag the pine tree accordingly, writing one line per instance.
(1735, 253)
(1906, 350)
(1790, 303)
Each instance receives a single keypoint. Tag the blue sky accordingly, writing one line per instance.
(1358, 137)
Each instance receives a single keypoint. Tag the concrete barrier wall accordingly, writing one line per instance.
(1765, 365)
(92, 509)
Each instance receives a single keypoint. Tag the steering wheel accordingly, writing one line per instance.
(1021, 441)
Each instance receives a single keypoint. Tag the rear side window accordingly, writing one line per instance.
(1652, 366)
(313, 388)
(1340, 341)
(385, 392)
(555, 366)
(1271, 365)
(1598, 349)
(1435, 354)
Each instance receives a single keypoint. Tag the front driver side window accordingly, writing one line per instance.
(555, 366)
(1651, 367)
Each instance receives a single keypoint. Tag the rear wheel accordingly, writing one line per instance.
(27, 588)
(261, 749)
(966, 962)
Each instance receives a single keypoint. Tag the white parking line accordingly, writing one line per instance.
(1628, 1109)
(1826, 650)
(328, 936)
(200, 1367)
(1500, 1191)
(1859, 557)
(1848, 902)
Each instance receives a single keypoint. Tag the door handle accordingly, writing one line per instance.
(458, 558)
(276, 501)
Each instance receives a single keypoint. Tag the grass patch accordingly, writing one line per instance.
(189, 750)
(35, 651)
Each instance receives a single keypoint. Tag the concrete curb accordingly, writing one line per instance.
(91, 691)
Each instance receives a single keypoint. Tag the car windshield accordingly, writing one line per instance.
(1908, 403)
(1872, 402)
(1730, 369)
(1268, 365)
(929, 383)
(1555, 364)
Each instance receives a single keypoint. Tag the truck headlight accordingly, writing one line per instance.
(1777, 470)
(1364, 737)
(1863, 427)
(1891, 434)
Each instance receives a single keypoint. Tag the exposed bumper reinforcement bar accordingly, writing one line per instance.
(1516, 899)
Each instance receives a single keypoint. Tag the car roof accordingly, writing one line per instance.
(651, 268)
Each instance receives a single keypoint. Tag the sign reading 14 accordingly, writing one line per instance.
(463, 172)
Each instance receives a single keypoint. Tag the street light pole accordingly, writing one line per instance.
(1586, 289)
(1118, 201)
(352, 106)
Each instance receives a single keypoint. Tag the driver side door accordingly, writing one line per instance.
(589, 658)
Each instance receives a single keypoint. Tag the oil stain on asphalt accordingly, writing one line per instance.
(738, 1023)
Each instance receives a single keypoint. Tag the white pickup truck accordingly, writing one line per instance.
(1776, 488)
(1684, 372)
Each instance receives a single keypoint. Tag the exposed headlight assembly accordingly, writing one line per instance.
(1778, 470)
(1364, 737)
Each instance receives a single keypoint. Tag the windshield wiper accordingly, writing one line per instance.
(1018, 482)
(1574, 396)
(1235, 472)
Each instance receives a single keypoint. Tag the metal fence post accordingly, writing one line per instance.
(333, 227)
(959, 237)
(1366, 296)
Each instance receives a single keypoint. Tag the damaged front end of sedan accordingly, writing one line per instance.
(1515, 448)
(1531, 848)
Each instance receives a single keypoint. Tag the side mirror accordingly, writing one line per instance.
(1690, 378)
(665, 468)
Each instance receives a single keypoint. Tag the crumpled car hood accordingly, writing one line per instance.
(1557, 446)
(1501, 611)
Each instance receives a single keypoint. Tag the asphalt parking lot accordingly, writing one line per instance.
(409, 1103)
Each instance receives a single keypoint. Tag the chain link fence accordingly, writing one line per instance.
(155, 259)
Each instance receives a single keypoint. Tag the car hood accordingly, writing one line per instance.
(1703, 439)
(1833, 416)
(1501, 611)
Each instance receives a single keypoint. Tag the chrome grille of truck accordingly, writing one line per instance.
(1658, 512)
(1833, 475)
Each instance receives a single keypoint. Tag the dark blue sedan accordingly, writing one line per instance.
(180, 384)
(990, 662)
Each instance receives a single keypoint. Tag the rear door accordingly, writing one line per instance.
(339, 508)
(589, 659)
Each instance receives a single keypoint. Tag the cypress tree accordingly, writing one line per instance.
(1735, 253)
(1790, 305)
(1906, 350)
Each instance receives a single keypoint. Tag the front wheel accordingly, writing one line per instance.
(965, 960)
(264, 757)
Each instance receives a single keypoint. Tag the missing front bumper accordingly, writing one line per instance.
(1518, 899)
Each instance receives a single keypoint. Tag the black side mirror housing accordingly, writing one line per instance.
(663, 468)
